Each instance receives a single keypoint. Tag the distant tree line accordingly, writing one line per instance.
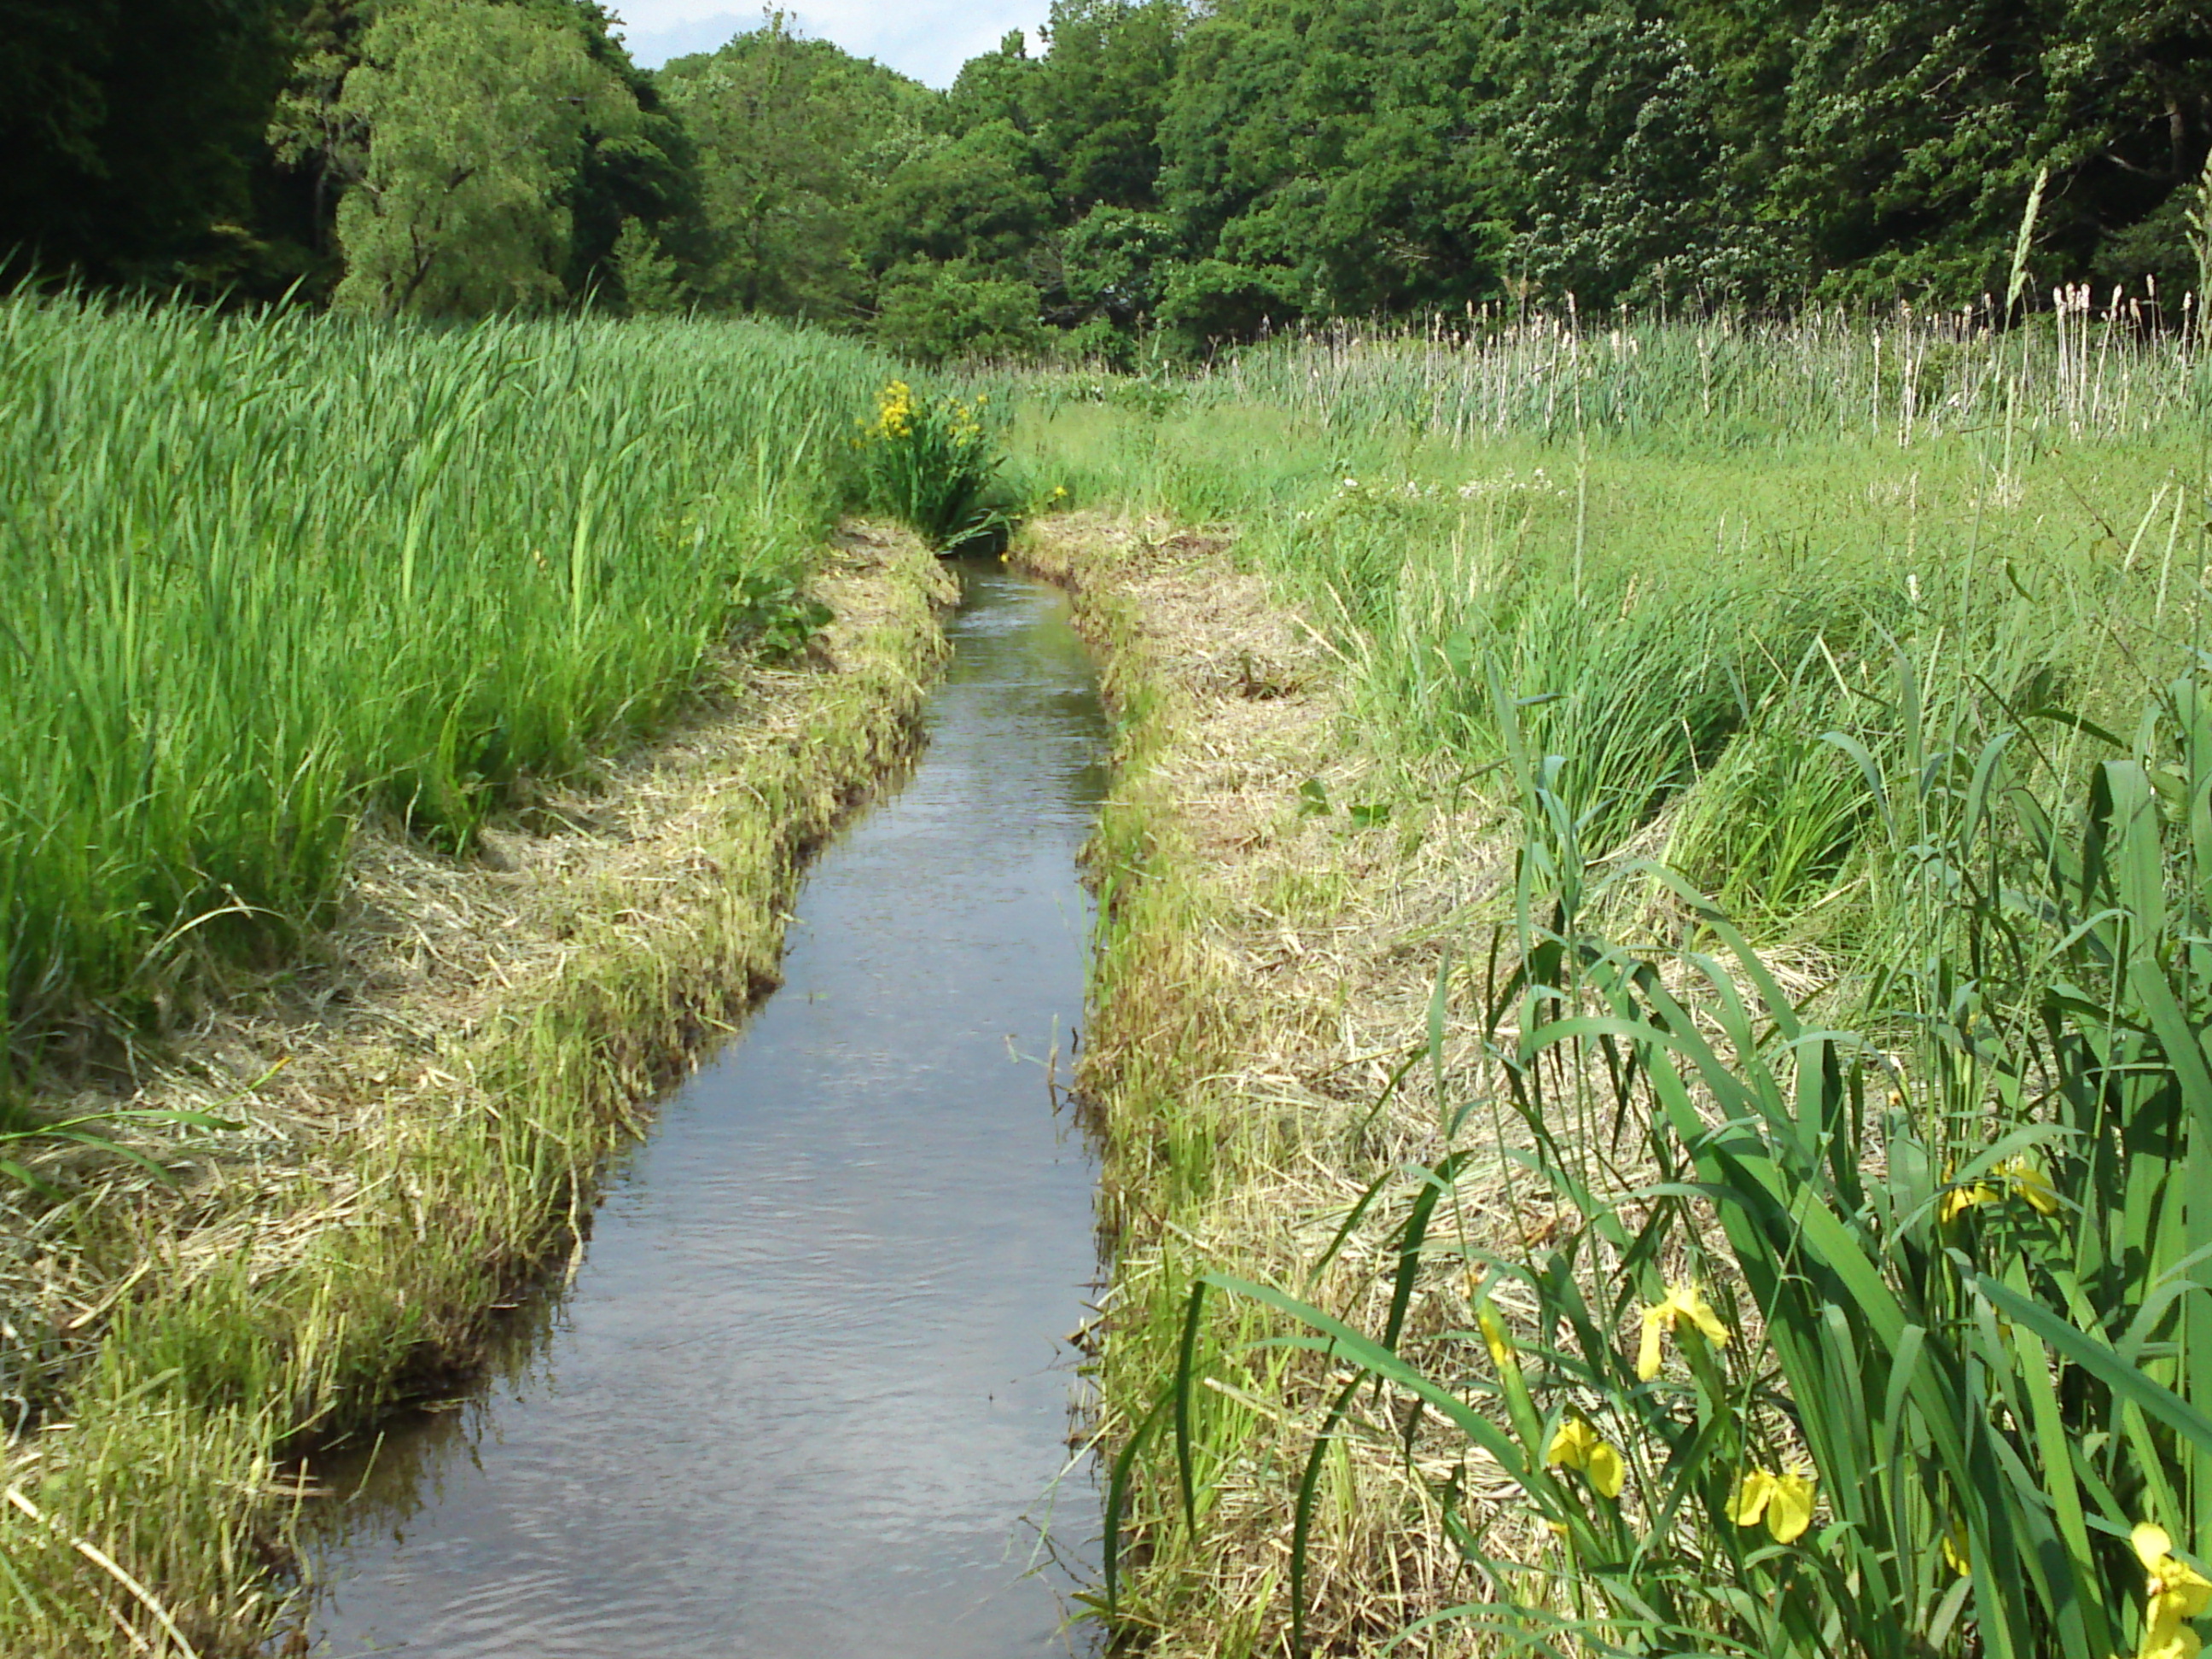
(1162, 170)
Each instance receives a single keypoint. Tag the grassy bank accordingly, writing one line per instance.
(1754, 850)
(436, 1137)
(415, 737)
(269, 575)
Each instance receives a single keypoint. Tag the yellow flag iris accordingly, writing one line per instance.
(2177, 1593)
(2020, 1178)
(894, 411)
(2030, 1182)
(1577, 1446)
(1683, 1308)
(1784, 1501)
(1959, 1200)
(1494, 1336)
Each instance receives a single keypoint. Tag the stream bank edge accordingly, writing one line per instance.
(477, 1039)
(1260, 965)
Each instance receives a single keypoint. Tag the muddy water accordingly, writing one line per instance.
(807, 1394)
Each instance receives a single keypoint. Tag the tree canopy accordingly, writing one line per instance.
(475, 117)
(1161, 168)
(133, 132)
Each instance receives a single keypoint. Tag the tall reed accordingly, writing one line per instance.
(1836, 686)
(266, 573)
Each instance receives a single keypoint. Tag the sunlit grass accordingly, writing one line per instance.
(264, 574)
(1835, 693)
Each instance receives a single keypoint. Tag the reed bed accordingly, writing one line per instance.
(2082, 366)
(267, 574)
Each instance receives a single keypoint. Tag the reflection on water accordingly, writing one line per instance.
(808, 1394)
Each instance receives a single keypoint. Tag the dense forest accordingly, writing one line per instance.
(1165, 171)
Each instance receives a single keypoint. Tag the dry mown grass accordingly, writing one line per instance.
(1268, 971)
(424, 1104)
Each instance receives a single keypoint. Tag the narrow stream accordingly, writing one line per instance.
(809, 1393)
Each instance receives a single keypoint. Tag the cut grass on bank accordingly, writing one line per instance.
(1905, 676)
(475, 1037)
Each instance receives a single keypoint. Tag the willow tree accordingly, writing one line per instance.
(475, 117)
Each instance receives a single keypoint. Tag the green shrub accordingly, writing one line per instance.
(933, 313)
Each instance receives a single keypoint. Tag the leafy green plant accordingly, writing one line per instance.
(777, 615)
(1923, 1348)
(933, 462)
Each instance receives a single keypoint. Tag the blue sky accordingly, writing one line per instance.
(928, 40)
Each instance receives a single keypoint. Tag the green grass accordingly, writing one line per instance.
(1876, 648)
(1653, 586)
(266, 574)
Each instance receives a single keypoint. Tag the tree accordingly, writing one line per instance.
(476, 115)
(132, 133)
(993, 86)
(1096, 99)
(1113, 261)
(980, 197)
(1331, 156)
(647, 278)
(646, 173)
(1611, 162)
(795, 139)
(1910, 134)
(931, 313)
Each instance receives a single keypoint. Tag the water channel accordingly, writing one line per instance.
(809, 1392)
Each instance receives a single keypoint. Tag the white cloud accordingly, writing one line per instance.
(928, 40)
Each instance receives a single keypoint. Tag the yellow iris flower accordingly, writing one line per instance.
(1784, 1501)
(2177, 1593)
(1959, 1200)
(1578, 1446)
(2030, 1184)
(2019, 1176)
(1683, 1308)
(894, 411)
